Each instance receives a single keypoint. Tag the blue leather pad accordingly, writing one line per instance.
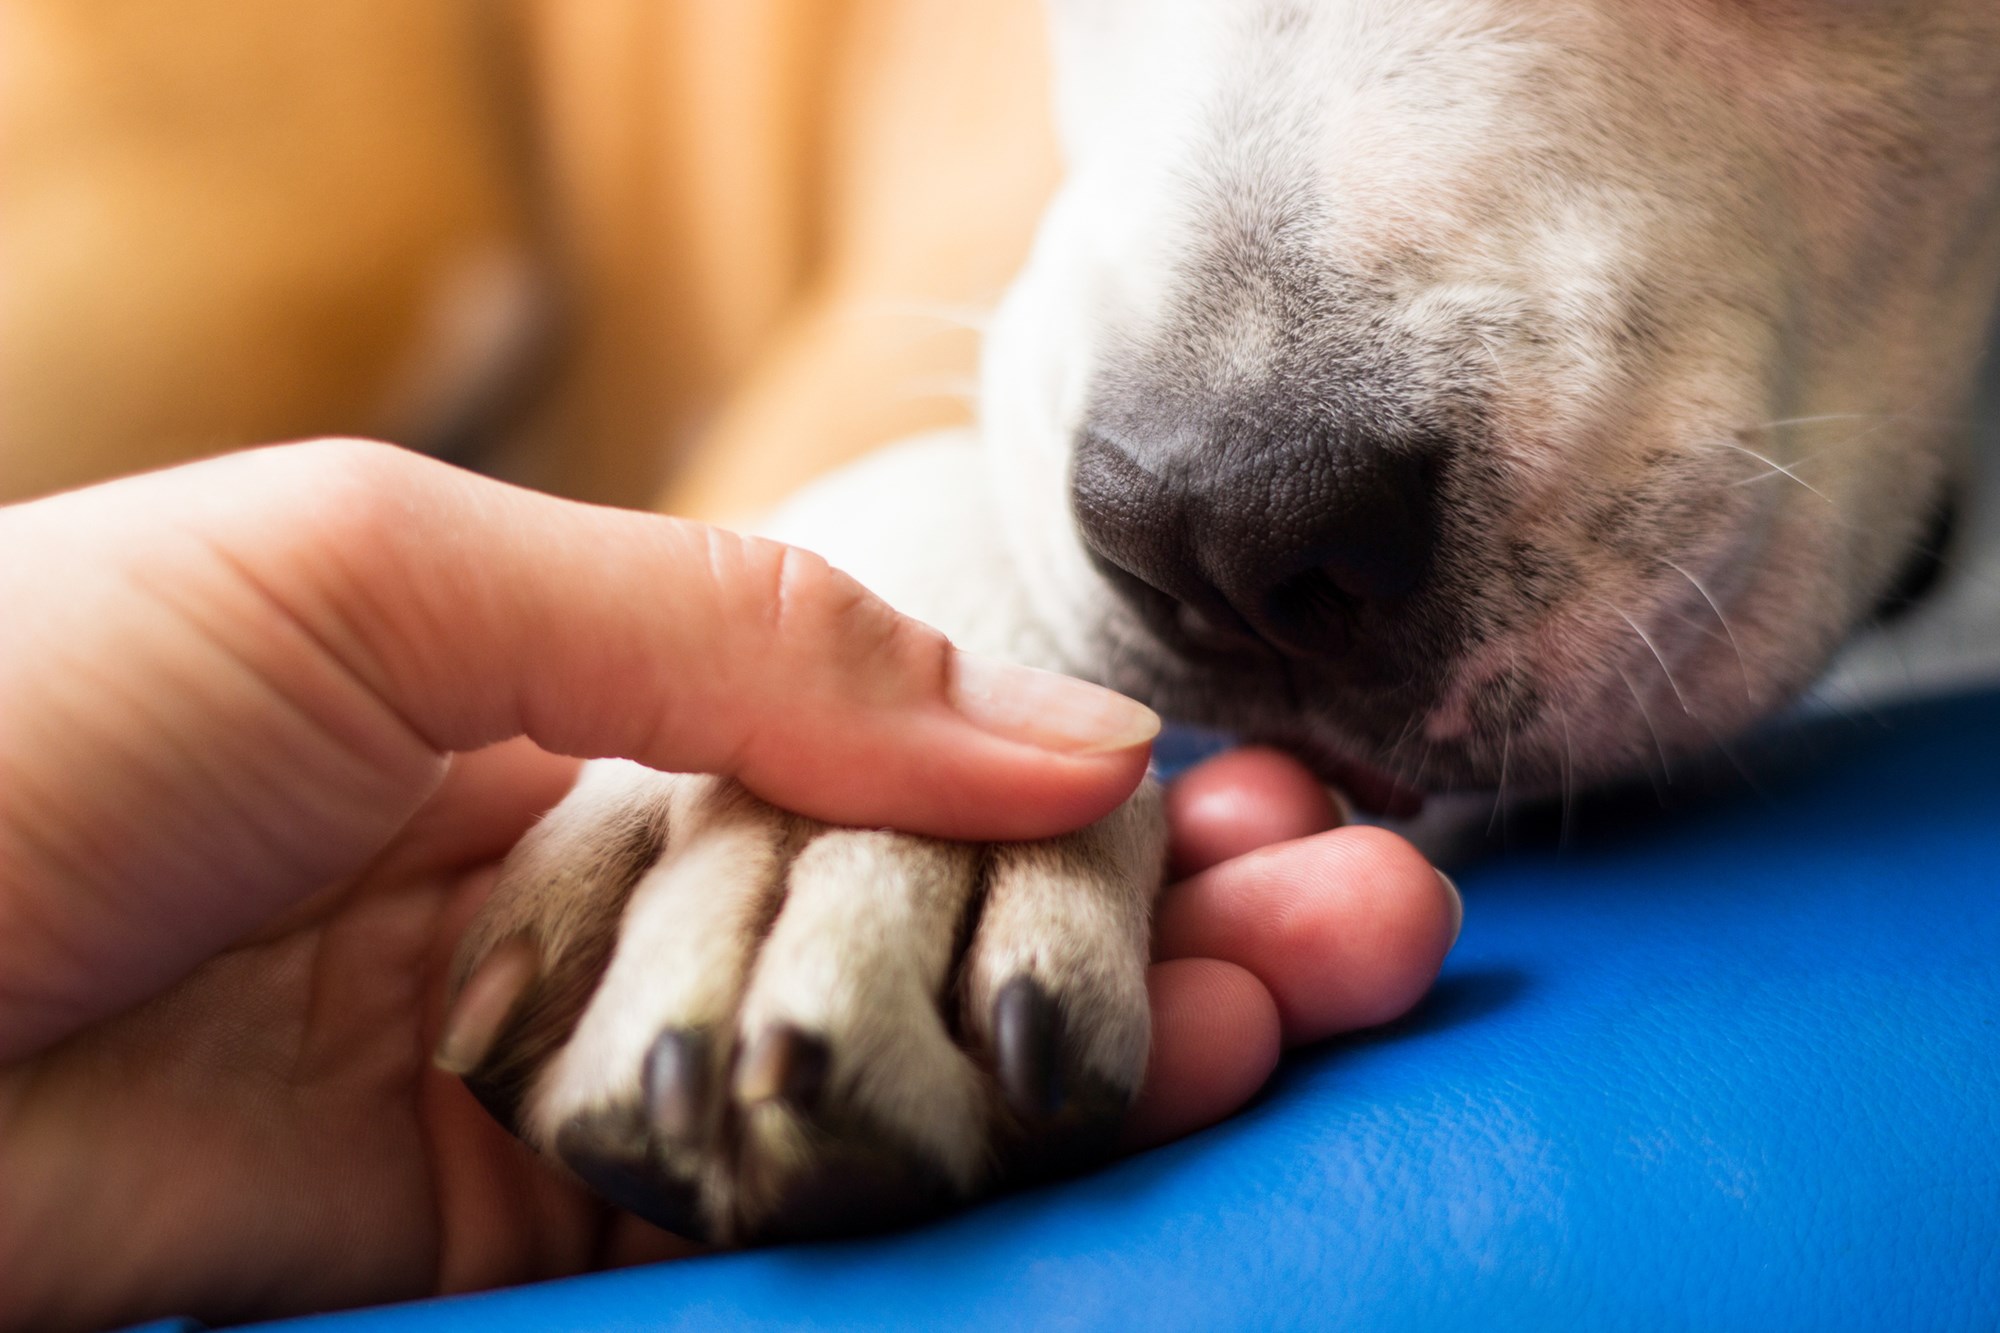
(1732, 1067)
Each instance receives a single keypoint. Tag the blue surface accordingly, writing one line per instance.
(1734, 1067)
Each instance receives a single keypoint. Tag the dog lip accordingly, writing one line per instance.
(1206, 635)
(1225, 656)
(1222, 635)
(1374, 790)
(1202, 635)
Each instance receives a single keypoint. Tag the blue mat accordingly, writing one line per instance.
(1731, 1067)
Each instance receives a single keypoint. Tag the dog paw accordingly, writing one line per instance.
(744, 1025)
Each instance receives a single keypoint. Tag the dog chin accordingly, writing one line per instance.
(1265, 699)
(1369, 742)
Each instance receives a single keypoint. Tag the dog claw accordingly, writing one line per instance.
(485, 1004)
(676, 1083)
(783, 1064)
(1027, 1049)
(613, 1159)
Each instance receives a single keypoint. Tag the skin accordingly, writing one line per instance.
(271, 722)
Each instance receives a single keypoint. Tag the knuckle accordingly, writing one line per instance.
(808, 595)
(354, 494)
(350, 463)
(812, 603)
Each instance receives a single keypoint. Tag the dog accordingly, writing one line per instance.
(1469, 395)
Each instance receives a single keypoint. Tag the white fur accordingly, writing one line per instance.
(1800, 201)
(1748, 247)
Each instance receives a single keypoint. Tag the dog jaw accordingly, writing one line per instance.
(1692, 293)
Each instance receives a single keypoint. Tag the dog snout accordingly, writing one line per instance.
(1256, 530)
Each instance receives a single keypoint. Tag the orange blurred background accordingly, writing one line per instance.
(684, 252)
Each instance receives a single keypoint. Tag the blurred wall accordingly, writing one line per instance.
(597, 245)
(224, 221)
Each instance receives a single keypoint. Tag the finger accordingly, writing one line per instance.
(1238, 802)
(488, 799)
(480, 611)
(1346, 929)
(1215, 1042)
(235, 681)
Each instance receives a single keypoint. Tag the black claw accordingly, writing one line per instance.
(615, 1163)
(676, 1084)
(1027, 1049)
(783, 1064)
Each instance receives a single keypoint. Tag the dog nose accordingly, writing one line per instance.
(1273, 532)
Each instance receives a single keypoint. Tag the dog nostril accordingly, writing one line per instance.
(1311, 605)
(1253, 536)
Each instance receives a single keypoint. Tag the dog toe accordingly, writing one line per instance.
(849, 1077)
(780, 1030)
(1054, 987)
(612, 1152)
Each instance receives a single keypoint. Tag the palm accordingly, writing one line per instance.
(269, 1136)
(274, 1119)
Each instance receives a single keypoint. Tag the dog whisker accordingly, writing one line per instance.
(1826, 417)
(1424, 763)
(1742, 667)
(1659, 657)
(1776, 469)
(1500, 788)
(1506, 748)
(1666, 770)
(1393, 757)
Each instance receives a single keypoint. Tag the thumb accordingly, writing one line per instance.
(231, 683)
(480, 611)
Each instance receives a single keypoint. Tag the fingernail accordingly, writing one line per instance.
(1047, 710)
(1457, 902)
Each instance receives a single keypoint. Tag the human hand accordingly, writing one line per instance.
(1280, 928)
(231, 695)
